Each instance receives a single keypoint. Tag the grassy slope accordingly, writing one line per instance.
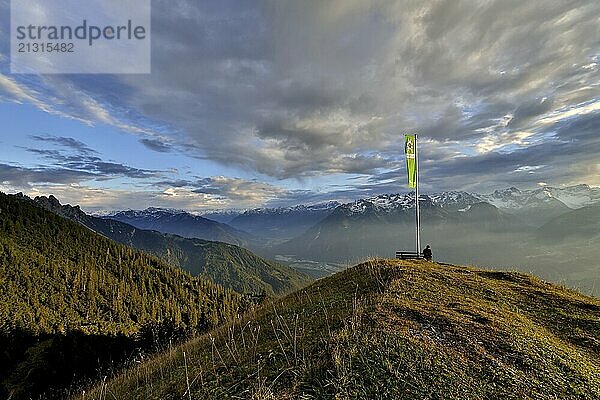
(391, 329)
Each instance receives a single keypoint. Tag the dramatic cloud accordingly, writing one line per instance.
(93, 199)
(74, 163)
(68, 142)
(238, 189)
(22, 177)
(501, 92)
(156, 145)
(234, 192)
(84, 159)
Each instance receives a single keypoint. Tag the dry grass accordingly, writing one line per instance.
(390, 329)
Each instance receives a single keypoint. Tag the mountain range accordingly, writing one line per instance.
(378, 226)
(226, 264)
(534, 207)
(284, 222)
(508, 227)
(183, 224)
(500, 228)
(510, 200)
(247, 228)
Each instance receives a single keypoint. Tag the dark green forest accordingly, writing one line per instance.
(72, 296)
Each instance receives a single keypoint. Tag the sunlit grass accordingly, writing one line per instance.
(390, 329)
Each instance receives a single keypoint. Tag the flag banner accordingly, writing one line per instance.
(411, 160)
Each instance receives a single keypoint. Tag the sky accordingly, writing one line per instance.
(275, 103)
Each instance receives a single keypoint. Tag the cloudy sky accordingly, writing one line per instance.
(254, 103)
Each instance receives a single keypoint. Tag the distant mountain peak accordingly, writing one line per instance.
(165, 210)
(181, 223)
(324, 206)
(508, 191)
(52, 204)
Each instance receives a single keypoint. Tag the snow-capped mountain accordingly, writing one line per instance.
(150, 212)
(375, 225)
(456, 200)
(511, 200)
(226, 216)
(538, 206)
(392, 203)
(327, 206)
(533, 207)
(283, 222)
(575, 196)
(181, 223)
(381, 204)
(572, 197)
(222, 216)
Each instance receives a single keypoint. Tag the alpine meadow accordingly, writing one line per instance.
(285, 199)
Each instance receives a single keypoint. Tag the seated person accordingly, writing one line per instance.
(427, 253)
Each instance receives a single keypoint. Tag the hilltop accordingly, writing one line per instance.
(391, 329)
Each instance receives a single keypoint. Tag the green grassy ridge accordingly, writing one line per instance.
(391, 329)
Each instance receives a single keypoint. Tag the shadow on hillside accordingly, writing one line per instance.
(55, 366)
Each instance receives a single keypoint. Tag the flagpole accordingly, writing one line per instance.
(417, 214)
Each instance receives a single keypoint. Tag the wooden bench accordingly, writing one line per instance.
(408, 255)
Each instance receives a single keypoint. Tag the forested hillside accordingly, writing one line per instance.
(65, 290)
(231, 266)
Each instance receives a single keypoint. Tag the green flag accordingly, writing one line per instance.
(410, 145)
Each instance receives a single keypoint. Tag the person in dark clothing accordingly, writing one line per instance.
(427, 253)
